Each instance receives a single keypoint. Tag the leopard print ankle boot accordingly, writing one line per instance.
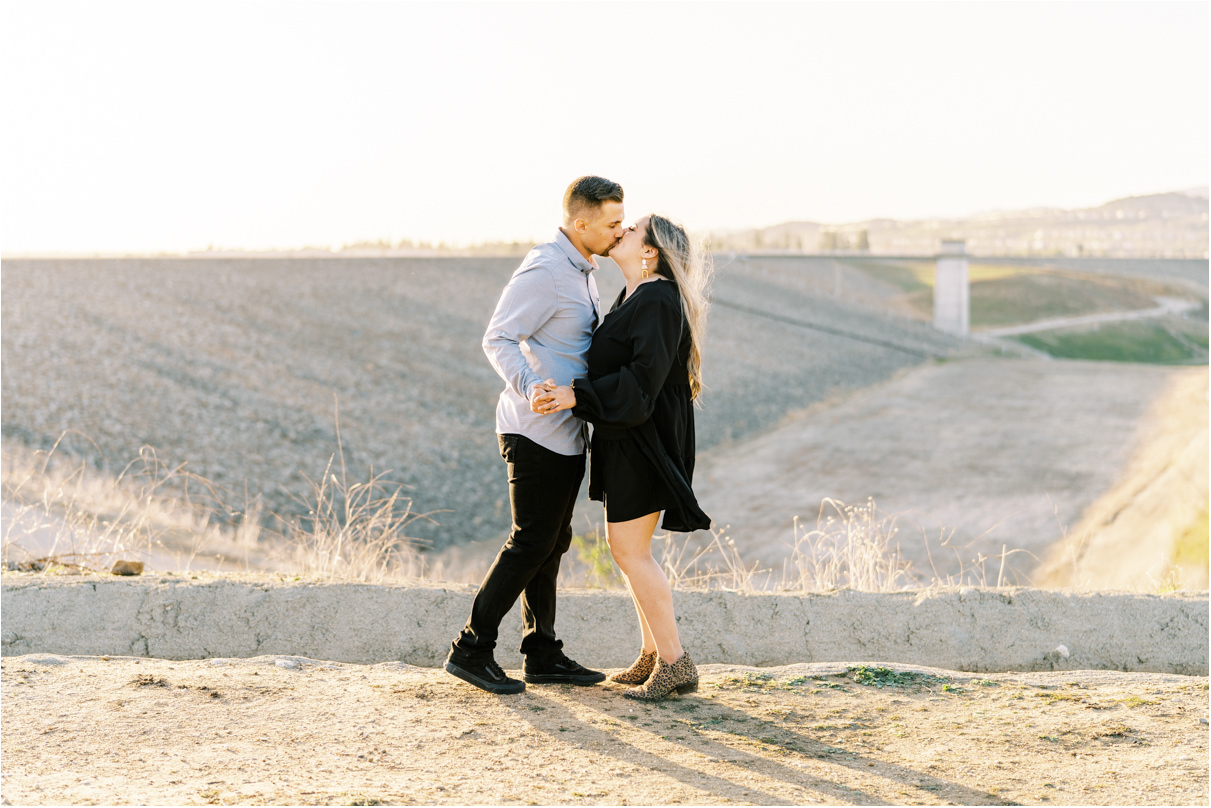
(638, 673)
(680, 677)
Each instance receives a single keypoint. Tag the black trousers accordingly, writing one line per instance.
(542, 494)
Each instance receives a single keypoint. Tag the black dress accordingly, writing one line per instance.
(637, 396)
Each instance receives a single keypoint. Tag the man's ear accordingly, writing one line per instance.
(580, 226)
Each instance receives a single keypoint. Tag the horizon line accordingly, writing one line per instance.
(423, 247)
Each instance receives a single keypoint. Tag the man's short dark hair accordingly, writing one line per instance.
(586, 194)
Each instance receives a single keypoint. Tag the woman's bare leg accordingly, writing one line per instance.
(631, 545)
(649, 642)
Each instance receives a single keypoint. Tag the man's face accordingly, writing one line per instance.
(603, 229)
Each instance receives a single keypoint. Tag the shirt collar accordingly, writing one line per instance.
(573, 254)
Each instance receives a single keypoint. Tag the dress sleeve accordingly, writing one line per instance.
(627, 397)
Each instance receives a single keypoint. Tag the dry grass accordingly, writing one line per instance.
(81, 518)
(850, 547)
(354, 531)
(61, 514)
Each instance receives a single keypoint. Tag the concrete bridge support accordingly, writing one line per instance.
(951, 290)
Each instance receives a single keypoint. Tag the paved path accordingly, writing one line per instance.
(1168, 306)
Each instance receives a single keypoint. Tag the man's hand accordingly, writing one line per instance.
(540, 397)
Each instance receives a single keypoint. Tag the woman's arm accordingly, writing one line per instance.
(627, 397)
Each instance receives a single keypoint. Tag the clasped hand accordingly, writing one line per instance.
(548, 397)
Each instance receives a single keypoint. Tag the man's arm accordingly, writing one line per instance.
(528, 301)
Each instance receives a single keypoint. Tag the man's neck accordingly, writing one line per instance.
(572, 237)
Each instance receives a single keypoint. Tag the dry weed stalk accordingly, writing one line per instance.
(974, 573)
(850, 547)
(716, 565)
(354, 531)
(58, 511)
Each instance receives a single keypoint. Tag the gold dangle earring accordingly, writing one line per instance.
(645, 272)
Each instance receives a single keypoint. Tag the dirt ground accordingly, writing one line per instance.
(1009, 454)
(280, 730)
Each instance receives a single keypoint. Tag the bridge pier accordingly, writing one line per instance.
(951, 290)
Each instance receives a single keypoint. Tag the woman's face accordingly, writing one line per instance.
(631, 248)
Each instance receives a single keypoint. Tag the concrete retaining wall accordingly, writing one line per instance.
(176, 617)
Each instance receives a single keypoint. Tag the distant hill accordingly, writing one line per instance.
(1169, 225)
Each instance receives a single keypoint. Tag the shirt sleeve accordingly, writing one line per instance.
(627, 397)
(529, 299)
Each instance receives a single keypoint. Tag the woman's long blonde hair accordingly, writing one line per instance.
(687, 264)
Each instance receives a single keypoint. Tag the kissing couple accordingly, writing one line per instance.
(633, 374)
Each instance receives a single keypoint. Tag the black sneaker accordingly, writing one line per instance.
(559, 670)
(484, 673)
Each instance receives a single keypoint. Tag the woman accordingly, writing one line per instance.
(644, 373)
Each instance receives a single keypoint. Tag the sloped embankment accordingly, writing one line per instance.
(1150, 529)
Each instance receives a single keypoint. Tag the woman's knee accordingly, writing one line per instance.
(631, 542)
(627, 554)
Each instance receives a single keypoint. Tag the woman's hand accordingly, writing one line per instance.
(564, 398)
(550, 397)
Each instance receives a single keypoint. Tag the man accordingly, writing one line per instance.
(541, 330)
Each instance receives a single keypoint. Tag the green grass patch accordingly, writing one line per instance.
(1190, 549)
(1147, 341)
(918, 276)
(593, 552)
(907, 277)
(977, 273)
(749, 682)
(1027, 297)
(886, 677)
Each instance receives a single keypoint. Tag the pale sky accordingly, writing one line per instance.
(169, 126)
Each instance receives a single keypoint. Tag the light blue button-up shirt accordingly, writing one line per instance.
(540, 330)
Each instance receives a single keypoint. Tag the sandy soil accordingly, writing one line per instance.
(274, 730)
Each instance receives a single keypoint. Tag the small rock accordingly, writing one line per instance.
(289, 664)
(1202, 721)
(127, 568)
(1062, 650)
